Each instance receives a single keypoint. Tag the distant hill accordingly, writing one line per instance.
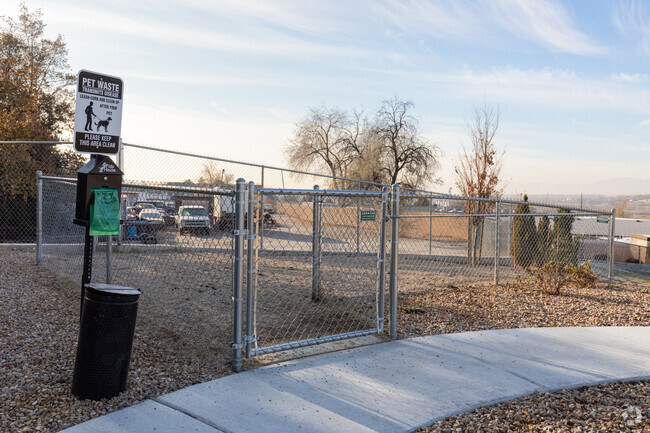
(619, 186)
(630, 206)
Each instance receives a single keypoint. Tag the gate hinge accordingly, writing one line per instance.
(240, 232)
(251, 237)
(253, 271)
(236, 345)
(250, 339)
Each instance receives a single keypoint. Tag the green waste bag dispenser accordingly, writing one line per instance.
(98, 173)
(102, 175)
(108, 312)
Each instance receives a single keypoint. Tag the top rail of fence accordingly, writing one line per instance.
(194, 190)
(319, 192)
(503, 200)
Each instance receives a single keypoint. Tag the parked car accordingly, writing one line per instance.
(140, 206)
(269, 209)
(154, 219)
(193, 219)
(169, 219)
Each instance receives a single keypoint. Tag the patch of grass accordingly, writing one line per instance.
(409, 309)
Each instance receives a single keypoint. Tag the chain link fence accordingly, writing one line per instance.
(499, 241)
(274, 264)
(185, 274)
(317, 269)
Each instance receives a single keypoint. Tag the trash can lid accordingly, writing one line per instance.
(113, 289)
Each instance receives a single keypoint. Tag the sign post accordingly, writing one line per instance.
(97, 128)
(98, 113)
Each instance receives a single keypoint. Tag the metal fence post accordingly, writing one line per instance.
(381, 292)
(430, 223)
(358, 217)
(497, 245)
(470, 240)
(251, 268)
(120, 157)
(238, 271)
(610, 252)
(394, 252)
(261, 221)
(39, 217)
(316, 254)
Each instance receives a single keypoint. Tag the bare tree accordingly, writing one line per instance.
(321, 142)
(406, 157)
(478, 171)
(213, 176)
(389, 150)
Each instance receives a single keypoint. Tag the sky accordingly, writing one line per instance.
(232, 79)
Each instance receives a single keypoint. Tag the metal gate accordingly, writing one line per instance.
(315, 267)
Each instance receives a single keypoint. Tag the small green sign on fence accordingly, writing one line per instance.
(368, 215)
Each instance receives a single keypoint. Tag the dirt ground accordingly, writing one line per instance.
(183, 330)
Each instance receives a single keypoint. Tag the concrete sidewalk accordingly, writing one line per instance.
(393, 387)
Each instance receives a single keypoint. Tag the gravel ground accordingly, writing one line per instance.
(612, 407)
(450, 308)
(39, 329)
(39, 326)
(618, 407)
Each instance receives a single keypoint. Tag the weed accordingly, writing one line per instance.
(552, 276)
(414, 310)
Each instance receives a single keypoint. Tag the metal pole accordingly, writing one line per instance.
(430, 222)
(612, 221)
(358, 216)
(470, 240)
(120, 164)
(261, 221)
(497, 246)
(86, 276)
(315, 257)
(39, 217)
(251, 268)
(238, 271)
(109, 259)
(394, 252)
(381, 292)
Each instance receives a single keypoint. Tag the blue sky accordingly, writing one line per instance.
(231, 79)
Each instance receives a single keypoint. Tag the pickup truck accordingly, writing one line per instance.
(193, 219)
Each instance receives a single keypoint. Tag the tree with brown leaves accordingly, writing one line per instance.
(478, 172)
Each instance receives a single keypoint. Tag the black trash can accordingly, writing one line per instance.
(105, 340)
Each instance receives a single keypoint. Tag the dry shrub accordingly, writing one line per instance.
(553, 276)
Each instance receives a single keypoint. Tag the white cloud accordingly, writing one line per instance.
(557, 88)
(544, 22)
(632, 19)
(306, 17)
(248, 38)
(629, 78)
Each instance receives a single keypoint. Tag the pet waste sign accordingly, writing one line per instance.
(98, 114)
